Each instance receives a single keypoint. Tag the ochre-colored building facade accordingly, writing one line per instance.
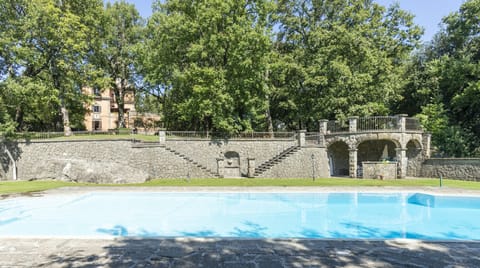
(102, 113)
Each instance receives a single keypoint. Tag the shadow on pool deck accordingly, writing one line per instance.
(215, 252)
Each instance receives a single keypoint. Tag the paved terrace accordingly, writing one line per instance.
(214, 252)
(201, 252)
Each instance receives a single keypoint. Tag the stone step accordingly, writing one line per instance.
(276, 160)
(198, 165)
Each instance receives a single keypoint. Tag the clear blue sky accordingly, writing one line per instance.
(428, 13)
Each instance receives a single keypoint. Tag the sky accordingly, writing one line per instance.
(428, 13)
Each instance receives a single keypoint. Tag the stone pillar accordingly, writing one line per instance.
(221, 167)
(301, 138)
(402, 120)
(426, 139)
(251, 167)
(402, 162)
(352, 123)
(162, 137)
(352, 160)
(322, 126)
(322, 131)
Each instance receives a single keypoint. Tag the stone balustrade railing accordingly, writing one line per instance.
(398, 123)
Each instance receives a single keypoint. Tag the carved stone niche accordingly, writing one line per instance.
(232, 165)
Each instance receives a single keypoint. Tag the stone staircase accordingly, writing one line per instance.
(195, 163)
(145, 144)
(275, 160)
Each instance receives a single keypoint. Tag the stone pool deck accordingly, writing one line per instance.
(217, 252)
(210, 252)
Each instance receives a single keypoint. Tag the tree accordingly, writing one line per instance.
(117, 52)
(209, 58)
(341, 58)
(45, 47)
(447, 77)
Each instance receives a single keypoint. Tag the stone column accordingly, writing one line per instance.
(322, 126)
(352, 123)
(162, 137)
(402, 120)
(322, 131)
(220, 167)
(251, 167)
(301, 138)
(402, 162)
(426, 138)
(352, 160)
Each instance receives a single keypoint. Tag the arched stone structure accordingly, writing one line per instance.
(414, 156)
(375, 150)
(338, 159)
(398, 144)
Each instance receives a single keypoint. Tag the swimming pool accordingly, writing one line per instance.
(245, 215)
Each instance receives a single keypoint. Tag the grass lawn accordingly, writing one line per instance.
(110, 137)
(10, 187)
(34, 186)
(87, 136)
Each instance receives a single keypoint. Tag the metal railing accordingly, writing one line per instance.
(182, 135)
(376, 123)
(337, 126)
(187, 135)
(412, 123)
(314, 138)
(38, 135)
(61, 135)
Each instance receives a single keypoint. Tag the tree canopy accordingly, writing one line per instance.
(233, 66)
(443, 85)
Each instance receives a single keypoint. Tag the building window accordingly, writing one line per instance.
(97, 92)
(97, 108)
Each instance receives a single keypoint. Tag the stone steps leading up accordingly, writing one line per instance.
(193, 162)
(276, 160)
(145, 144)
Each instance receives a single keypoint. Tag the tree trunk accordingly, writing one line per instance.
(67, 130)
(269, 120)
(19, 118)
(268, 115)
(120, 87)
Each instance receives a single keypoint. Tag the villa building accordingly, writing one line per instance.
(102, 114)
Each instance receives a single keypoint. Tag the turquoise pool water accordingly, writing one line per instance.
(246, 215)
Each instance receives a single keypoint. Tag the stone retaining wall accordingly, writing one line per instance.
(302, 165)
(96, 161)
(379, 170)
(206, 152)
(452, 168)
(120, 161)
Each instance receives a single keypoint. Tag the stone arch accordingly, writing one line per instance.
(414, 157)
(338, 158)
(232, 164)
(361, 139)
(331, 140)
(414, 144)
(232, 157)
(375, 150)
